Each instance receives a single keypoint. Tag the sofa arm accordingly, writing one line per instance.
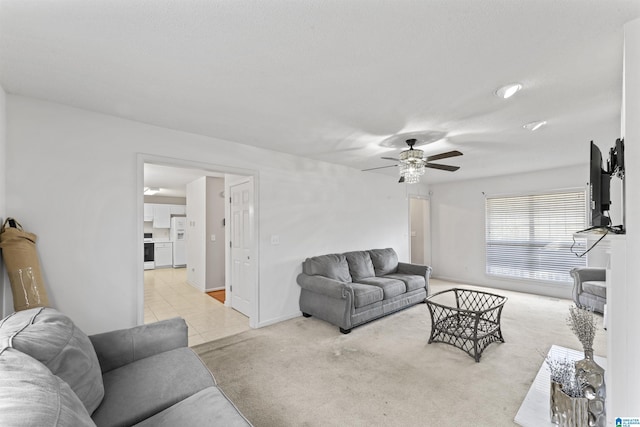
(589, 274)
(416, 269)
(586, 274)
(324, 286)
(118, 348)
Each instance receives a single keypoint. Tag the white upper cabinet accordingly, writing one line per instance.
(161, 216)
(148, 211)
(178, 209)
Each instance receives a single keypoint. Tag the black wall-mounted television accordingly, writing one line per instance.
(599, 185)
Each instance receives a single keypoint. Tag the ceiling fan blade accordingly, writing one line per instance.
(442, 167)
(380, 167)
(390, 158)
(446, 155)
(401, 180)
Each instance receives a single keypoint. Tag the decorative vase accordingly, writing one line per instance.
(572, 411)
(555, 389)
(594, 389)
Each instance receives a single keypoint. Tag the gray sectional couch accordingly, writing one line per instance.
(52, 374)
(352, 288)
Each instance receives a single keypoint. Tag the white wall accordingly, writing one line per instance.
(72, 178)
(6, 305)
(196, 244)
(458, 224)
(215, 248)
(624, 296)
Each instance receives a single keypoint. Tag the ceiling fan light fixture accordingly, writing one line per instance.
(411, 164)
(507, 91)
(533, 126)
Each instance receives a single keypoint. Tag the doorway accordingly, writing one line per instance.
(242, 264)
(420, 230)
(231, 176)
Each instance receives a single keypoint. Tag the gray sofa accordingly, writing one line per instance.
(52, 374)
(352, 288)
(590, 288)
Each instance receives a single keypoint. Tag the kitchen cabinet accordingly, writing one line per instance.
(178, 209)
(163, 255)
(148, 212)
(161, 216)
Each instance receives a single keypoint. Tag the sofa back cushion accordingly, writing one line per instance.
(30, 395)
(52, 338)
(332, 266)
(385, 261)
(360, 265)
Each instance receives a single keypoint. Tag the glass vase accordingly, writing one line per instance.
(572, 411)
(594, 389)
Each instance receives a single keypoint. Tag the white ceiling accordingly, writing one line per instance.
(340, 81)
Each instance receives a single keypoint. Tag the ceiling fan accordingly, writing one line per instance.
(412, 163)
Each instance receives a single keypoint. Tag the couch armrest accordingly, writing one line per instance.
(416, 269)
(586, 274)
(121, 347)
(589, 274)
(324, 286)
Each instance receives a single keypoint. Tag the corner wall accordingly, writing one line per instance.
(6, 305)
(72, 179)
(458, 224)
(624, 339)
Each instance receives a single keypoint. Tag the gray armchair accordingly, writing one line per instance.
(589, 289)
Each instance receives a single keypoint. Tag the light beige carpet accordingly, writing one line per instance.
(304, 372)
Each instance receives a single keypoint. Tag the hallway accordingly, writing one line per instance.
(167, 295)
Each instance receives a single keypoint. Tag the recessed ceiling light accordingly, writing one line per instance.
(507, 91)
(535, 125)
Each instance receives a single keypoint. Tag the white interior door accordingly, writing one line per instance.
(420, 231)
(242, 263)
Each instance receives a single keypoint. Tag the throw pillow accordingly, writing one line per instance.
(385, 261)
(333, 266)
(30, 395)
(360, 265)
(52, 338)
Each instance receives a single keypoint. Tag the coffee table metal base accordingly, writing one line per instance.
(466, 319)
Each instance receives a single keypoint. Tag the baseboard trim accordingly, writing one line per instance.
(535, 288)
(269, 322)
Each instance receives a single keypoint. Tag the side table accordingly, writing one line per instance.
(534, 411)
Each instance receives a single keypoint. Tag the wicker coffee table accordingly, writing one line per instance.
(467, 319)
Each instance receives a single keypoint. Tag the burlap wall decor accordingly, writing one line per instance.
(22, 265)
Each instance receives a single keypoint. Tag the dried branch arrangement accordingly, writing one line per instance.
(583, 325)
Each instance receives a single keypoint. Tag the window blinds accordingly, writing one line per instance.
(530, 236)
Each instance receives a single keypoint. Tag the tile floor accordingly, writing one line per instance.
(167, 294)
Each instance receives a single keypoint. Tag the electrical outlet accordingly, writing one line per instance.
(213, 237)
(275, 239)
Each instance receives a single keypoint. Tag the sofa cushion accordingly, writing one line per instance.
(143, 388)
(390, 287)
(30, 395)
(360, 265)
(366, 294)
(411, 281)
(333, 266)
(208, 407)
(385, 261)
(595, 288)
(52, 338)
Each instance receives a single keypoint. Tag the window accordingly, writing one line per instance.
(531, 236)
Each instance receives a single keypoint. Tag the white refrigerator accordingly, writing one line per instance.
(178, 234)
